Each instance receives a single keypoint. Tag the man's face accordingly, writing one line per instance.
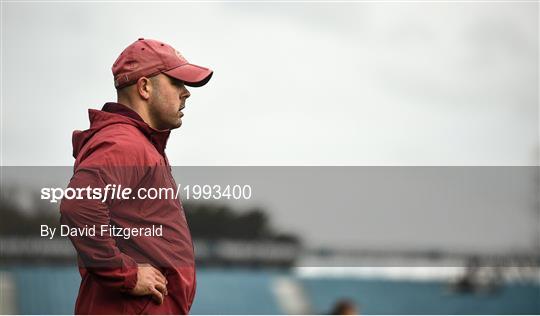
(167, 101)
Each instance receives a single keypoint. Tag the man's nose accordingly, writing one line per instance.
(186, 94)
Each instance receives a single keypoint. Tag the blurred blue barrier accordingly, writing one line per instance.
(53, 290)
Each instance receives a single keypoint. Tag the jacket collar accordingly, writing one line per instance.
(157, 137)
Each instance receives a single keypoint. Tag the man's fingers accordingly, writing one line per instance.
(160, 278)
(162, 288)
(158, 297)
(159, 274)
(156, 271)
(150, 281)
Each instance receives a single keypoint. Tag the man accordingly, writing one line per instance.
(154, 272)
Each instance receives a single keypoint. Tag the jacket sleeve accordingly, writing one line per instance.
(98, 254)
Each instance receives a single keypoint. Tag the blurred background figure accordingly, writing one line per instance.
(345, 307)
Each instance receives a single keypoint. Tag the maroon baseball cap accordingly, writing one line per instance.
(147, 58)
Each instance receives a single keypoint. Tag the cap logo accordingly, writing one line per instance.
(180, 56)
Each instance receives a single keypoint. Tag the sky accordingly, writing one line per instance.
(295, 84)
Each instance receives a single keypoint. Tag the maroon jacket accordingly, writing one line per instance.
(120, 148)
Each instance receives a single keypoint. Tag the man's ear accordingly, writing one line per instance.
(144, 87)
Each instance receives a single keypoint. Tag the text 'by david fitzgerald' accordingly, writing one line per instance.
(102, 230)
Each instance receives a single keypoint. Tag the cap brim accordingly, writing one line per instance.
(191, 75)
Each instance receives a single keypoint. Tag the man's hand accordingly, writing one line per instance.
(150, 282)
